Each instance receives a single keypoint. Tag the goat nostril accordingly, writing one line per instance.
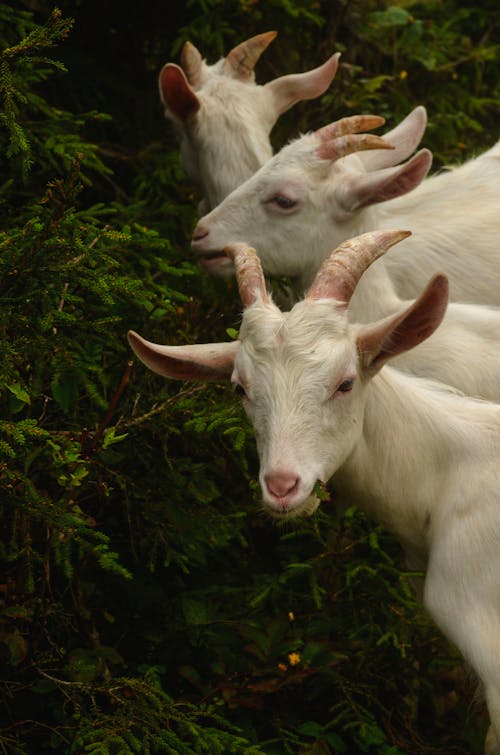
(199, 233)
(281, 484)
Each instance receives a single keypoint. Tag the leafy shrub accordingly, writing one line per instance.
(145, 604)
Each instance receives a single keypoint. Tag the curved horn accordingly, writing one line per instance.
(339, 274)
(342, 146)
(251, 282)
(353, 124)
(191, 64)
(244, 56)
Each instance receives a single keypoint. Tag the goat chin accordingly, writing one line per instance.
(306, 508)
(220, 266)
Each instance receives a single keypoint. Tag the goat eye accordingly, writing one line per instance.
(284, 203)
(346, 386)
(239, 390)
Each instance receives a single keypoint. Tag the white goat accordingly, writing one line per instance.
(224, 118)
(313, 195)
(417, 457)
(463, 353)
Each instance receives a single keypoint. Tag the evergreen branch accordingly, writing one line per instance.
(55, 30)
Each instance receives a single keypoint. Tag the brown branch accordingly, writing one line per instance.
(114, 401)
(159, 408)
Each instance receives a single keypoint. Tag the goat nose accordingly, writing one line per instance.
(281, 484)
(199, 233)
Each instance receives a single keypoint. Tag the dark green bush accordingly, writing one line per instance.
(146, 605)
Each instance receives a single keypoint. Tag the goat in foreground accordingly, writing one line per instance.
(417, 457)
(316, 193)
(224, 118)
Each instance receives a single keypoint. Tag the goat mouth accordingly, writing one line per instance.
(209, 261)
(284, 513)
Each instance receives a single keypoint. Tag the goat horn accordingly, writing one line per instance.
(339, 274)
(251, 282)
(244, 56)
(351, 125)
(191, 63)
(346, 145)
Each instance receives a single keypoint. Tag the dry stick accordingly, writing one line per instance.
(114, 402)
(158, 408)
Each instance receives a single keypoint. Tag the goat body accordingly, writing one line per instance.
(417, 457)
(456, 225)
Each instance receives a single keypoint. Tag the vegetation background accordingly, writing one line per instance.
(146, 605)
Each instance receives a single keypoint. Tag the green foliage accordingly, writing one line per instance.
(146, 605)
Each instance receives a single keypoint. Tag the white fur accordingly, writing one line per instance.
(227, 139)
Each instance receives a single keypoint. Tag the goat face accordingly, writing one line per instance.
(298, 376)
(313, 195)
(224, 118)
(282, 210)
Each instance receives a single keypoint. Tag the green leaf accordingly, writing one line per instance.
(110, 438)
(19, 392)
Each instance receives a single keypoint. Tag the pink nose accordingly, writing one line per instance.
(281, 484)
(199, 233)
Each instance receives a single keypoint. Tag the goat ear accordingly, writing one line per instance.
(176, 92)
(288, 90)
(405, 138)
(398, 333)
(381, 185)
(202, 362)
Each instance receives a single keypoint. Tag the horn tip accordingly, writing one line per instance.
(133, 337)
(394, 236)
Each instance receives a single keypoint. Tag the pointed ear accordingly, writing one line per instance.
(398, 333)
(202, 362)
(288, 90)
(381, 185)
(405, 138)
(176, 92)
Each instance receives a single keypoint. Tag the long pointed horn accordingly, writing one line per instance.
(342, 137)
(353, 124)
(244, 56)
(346, 145)
(192, 63)
(251, 282)
(339, 274)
